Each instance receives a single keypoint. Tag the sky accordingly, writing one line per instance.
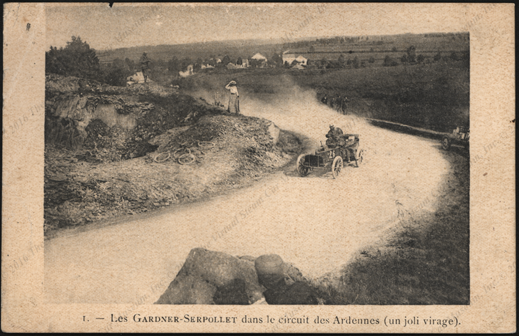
(128, 25)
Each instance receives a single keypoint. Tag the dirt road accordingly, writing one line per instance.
(315, 222)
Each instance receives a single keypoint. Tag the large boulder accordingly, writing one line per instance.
(188, 289)
(209, 277)
(284, 283)
(219, 270)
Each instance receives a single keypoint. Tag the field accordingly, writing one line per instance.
(433, 96)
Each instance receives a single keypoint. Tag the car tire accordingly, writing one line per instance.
(446, 143)
(302, 170)
(337, 166)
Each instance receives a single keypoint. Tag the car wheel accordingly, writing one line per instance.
(360, 157)
(301, 169)
(336, 166)
(446, 143)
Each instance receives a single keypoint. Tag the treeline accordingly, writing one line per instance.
(79, 60)
(410, 57)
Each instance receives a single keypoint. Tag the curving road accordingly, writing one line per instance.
(315, 222)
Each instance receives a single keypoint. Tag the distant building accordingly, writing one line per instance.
(188, 72)
(289, 57)
(259, 57)
(302, 60)
(245, 64)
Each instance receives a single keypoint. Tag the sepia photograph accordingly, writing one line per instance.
(340, 163)
(264, 155)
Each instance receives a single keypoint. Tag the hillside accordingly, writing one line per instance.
(378, 46)
(113, 151)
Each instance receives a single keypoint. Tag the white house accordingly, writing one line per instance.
(290, 57)
(259, 57)
(301, 60)
(188, 72)
(245, 64)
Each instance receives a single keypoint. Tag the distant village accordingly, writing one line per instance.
(288, 59)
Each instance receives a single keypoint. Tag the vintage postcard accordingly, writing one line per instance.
(273, 167)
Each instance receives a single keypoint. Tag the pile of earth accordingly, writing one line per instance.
(209, 277)
(107, 123)
(241, 150)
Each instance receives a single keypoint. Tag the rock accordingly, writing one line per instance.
(234, 293)
(221, 271)
(285, 283)
(188, 289)
(269, 264)
(299, 293)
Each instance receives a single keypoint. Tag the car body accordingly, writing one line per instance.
(333, 156)
(459, 137)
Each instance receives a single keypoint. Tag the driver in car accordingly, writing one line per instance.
(333, 136)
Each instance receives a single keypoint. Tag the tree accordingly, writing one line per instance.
(371, 59)
(411, 54)
(276, 58)
(341, 60)
(173, 65)
(356, 63)
(198, 64)
(118, 73)
(118, 63)
(437, 57)
(130, 64)
(226, 60)
(186, 61)
(387, 60)
(324, 63)
(76, 59)
(420, 58)
(404, 58)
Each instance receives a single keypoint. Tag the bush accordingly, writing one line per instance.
(76, 59)
(371, 59)
(454, 56)
(356, 63)
(117, 77)
(387, 60)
